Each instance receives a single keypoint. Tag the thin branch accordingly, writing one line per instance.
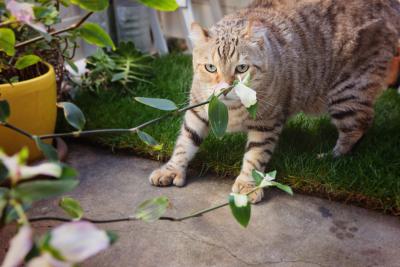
(109, 131)
(12, 127)
(69, 28)
(125, 219)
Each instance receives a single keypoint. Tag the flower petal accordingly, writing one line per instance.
(23, 12)
(20, 245)
(247, 96)
(49, 169)
(240, 200)
(77, 241)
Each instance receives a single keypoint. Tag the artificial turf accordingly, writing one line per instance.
(370, 177)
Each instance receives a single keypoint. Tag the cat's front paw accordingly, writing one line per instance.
(168, 175)
(244, 187)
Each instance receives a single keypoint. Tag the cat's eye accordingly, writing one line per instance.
(210, 68)
(242, 68)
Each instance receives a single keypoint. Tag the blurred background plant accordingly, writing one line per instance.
(118, 70)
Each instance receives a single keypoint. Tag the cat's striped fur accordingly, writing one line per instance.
(307, 55)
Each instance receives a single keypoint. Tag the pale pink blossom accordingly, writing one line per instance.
(23, 12)
(20, 245)
(77, 241)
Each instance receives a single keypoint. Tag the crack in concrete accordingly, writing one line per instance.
(196, 238)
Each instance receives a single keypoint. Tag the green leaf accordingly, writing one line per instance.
(95, 35)
(163, 5)
(73, 115)
(48, 150)
(71, 207)
(91, 5)
(158, 103)
(148, 139)
(257, 176)
(272, 174)
(241, 208)
(67, 172)
(113, 237)
(37, 190)
(218, 117)
(3, 200)
(7, 41)
(4, 110)
(253, 111)
(283, 187)
(151, 210)
(73, 66)
(26, 61)
(118, 76)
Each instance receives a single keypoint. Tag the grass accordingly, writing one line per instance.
(370, 177)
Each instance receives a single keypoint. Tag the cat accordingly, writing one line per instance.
(312, 56)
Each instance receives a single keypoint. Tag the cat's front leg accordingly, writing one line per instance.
(261, 142)
(194, 129)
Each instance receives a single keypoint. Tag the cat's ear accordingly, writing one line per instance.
(198, 34)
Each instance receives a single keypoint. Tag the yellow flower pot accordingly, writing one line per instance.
(33, 109)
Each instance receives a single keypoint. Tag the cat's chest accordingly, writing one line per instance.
(237, 118)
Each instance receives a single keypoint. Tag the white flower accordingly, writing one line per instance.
(49, 169)
(240, 200)
(17, 170)
(77, 241)
(23, 12)
(20, 246)
(247, 96)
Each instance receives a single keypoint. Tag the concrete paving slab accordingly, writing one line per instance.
(284, 230)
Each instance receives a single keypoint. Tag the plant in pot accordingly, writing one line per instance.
(33, 54)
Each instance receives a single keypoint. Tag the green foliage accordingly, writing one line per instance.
(26, 61)
(240, 208)
(119, 70)
(151, 210)
(95, 35)
(253, 110)
(163, 5)
(38, 190)
(48, 150)
(4, 110)
(7, 41)
(73, 115)
(158, 103)
(149, 140)
(91, 5)
(218, 116)
(71, 207)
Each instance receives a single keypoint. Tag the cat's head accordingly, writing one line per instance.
(226, 52)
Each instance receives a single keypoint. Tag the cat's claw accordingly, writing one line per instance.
(244, 187)
(166, 177)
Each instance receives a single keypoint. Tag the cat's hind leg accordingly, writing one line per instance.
(351, 108)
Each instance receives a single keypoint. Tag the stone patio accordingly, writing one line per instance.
(283, 231)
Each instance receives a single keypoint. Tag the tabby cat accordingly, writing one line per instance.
(314, 56)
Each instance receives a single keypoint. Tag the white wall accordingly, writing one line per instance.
(172, 22)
